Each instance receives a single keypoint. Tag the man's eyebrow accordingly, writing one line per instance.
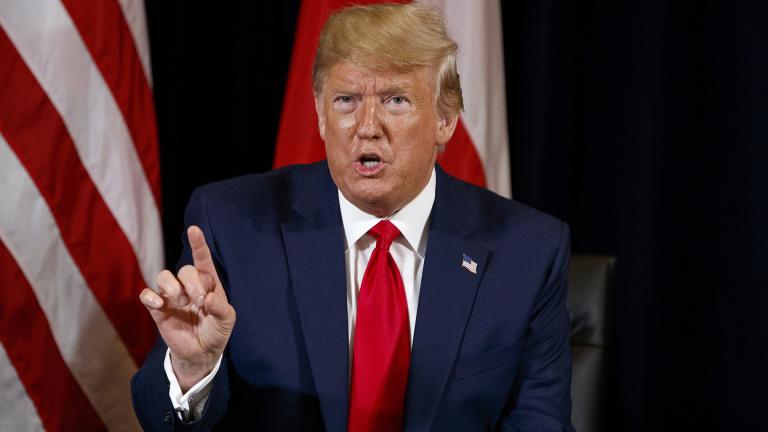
(353, 88)
(394, 87)
(345, 89)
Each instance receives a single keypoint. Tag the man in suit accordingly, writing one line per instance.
(372, 291)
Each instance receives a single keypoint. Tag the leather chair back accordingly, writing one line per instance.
(591, 279)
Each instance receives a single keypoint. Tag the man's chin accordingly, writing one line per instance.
(372, 200)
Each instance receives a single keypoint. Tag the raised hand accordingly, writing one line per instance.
(192, 313)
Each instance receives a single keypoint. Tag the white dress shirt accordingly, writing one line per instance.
(407, 250)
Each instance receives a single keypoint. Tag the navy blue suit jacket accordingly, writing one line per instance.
(490, 350)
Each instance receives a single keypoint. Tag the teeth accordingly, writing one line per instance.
(370, 164)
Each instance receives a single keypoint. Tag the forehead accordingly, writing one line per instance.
(359, 78)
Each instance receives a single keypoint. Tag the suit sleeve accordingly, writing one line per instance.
(540, 400)
(149, 387)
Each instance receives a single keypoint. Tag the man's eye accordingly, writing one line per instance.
(397, 104)
(345, 103)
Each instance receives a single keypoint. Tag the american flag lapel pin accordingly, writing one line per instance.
(468, 263)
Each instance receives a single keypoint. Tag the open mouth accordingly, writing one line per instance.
(370, 161)
(369, 164)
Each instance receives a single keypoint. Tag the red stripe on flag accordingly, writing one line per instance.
(27, 338)
(298, 139)
(36, 133)
(460, 158)
(110, 42)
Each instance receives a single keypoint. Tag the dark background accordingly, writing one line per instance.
(642, 124)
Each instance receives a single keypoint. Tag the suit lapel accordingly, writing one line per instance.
(314, 244)
(445, 302)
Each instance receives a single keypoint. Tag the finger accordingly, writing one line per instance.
(170, 287)
(195, 286)
(209, 285)
(201, 255)
(218, 306)
(208, 282)
(151, 299)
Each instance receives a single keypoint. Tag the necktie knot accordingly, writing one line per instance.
(384, 232)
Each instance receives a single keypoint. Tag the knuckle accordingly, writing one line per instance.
(144, 295)
(190, 278)
(187, 272)
(163, 277)
(167, 282)
(147, 296)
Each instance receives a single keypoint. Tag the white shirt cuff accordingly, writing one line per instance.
(193, 401)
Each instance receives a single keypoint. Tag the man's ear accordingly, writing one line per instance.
(320, 114)
(445, 128)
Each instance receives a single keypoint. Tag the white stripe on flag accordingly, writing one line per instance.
(48, 41)
(476, 27)
(135, 16)
(87, 341)
(19, 413)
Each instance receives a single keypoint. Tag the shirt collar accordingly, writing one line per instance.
(411, 220)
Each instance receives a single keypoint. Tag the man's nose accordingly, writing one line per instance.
(369, 124)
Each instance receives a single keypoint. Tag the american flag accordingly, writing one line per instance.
(80, 231)
(468, 263)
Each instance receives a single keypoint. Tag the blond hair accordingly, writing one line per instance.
(396, 36)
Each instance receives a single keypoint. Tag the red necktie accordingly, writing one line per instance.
(382, 342)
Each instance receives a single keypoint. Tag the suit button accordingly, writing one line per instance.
(168, 417)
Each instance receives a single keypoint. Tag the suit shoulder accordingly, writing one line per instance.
(282, 179)
(498, 216)
(267, 194)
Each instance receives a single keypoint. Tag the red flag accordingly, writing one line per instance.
(80, 232)
(478, 151)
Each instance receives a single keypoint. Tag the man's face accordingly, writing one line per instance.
(381, 133)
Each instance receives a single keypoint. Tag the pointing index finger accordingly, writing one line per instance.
(200, 252)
